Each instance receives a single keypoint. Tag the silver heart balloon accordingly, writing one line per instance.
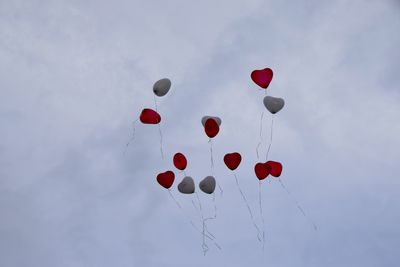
(207, 185)
(273, 104)
(161, 87)
(186, 186)
(205, 118)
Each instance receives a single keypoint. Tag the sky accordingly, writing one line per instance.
(76, 74)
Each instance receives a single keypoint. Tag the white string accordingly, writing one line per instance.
(133, 136)
(259, 143)
(205, 229)
(298, 205)
(159, 129)
(270, 141)
(248, 207)
(211, 157)
(200, 214)
(155, 102)
(191, 222)
(161, 141)
(212, 165)
(261, 213)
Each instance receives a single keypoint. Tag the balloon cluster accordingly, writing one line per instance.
(212, 125)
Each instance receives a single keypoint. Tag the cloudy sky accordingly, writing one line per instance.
(75, 74)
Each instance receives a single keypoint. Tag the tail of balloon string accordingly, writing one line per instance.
(133, 135)
(212, 165)
(159, 129)
(261, 213)
(298, 205)
(204, 234)
(248, 208)
(199, 210)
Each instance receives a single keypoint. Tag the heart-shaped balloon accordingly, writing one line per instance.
(262, 77)
(276, 168)
(205, 118)
(211, 128)
(166, 179)
(232, 160)
(262, 170)
(207, 185)
(186, 186)
(273, 104)
(161, 87)
(149, 116)
(180, 161)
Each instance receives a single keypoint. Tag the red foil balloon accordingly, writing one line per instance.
(149, 116)
(180, 161)
(166, 179)
(262, 77)
(262, 170)
(211, 128)
(276, 168)
(232, 160)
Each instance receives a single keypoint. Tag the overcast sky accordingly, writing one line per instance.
(75, 74)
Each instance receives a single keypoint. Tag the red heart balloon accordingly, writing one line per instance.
(262, 170)
(262, 77)
(211, 128)
(180, 161)
(149, 116)
(166, 179)
(232, 160)
(276, 168)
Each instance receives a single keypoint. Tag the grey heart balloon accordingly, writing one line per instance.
(207, 185)
(186, 186)
(161, 87)
(205, 118)
(273, 104)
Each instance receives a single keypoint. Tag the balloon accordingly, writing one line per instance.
(166, 179)
(232, 160)
(211, 128)
(149, 116)
(207, 185)
(273, 104)
(276, 168)
(262, 170)
(161, 87)
(205, 118)
(180, 161)
(186, 186)
(262, 77)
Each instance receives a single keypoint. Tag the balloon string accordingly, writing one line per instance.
(133, 136)
(298, 205)
(204, 245)
(270, 141)
(200, 214)
(155, 103)
(161, 141)
(205, 227)
(260, 141)
(212, 165)
(211, 157)
(248, 208)
(261, 212)
(191, 222)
